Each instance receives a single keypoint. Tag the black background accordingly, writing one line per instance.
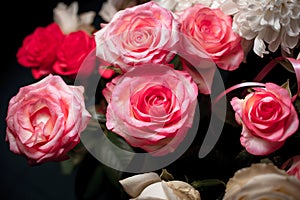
(18, 180)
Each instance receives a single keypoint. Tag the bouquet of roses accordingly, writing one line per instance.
(167, 100)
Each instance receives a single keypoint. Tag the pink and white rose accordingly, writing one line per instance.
(208, 33)
(138, 35)
(268, 118)
(45, 119)
(151, 109)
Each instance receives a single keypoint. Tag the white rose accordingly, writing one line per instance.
(262, 181)
(68, 19)
(149, 186)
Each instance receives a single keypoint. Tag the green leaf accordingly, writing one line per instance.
(166, 176)
(119, 141)
(287, 65)
(286, 86)
(116, 152)
(76, 155)
(207, 183)
(244, 158)
(67, 166)
(116, 69)
(176, 62)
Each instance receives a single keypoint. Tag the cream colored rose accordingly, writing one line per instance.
(69, 20)
(149, 186)
(262, 181)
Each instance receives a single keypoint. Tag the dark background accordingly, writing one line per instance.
(18, 180)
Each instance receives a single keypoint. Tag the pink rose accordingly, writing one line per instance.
(38, 50)
(293, 165)
(75, 47)
(208, 32)
(45, 119)
(268, 118)
(138, 35)
(151, 109)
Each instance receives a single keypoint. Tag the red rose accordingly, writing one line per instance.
(38, 50)
(74, 49)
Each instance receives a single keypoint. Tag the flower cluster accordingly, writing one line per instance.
(61, 47)
(174, 82)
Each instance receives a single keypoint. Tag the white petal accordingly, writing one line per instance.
(154, 191)
(134, 185)
(87, 17)
(259, 47)
(107, 11)
(66, 17)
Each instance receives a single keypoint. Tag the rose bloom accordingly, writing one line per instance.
(207, 32)
(227, 6)
(142, 34)
(110, 7)
(292, 166)
(151, 109)
(74, 48)
(150, 186)
(45, 119)
(38, 50)
(69, 20)
(262, 181)
(268, 118)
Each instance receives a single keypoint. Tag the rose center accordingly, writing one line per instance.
(41, 123)
(155, 101)
(268, 109)
(209, 27)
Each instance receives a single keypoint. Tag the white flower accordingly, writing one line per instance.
(149, 186)
(111, 7)
(275, 22)
(262, 181)
(68, 19)
(227, 6)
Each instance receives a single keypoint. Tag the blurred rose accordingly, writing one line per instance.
(208, 33)
(292, 166)
(151, 109)
(138, 35)
(262, 181)
(38, 50)
(74, 48)
(149, 186)
(268, 118)
(227, 6)
(105, 69)
(105, 72)
(110, 7)
(45, 119)
(69, 20)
